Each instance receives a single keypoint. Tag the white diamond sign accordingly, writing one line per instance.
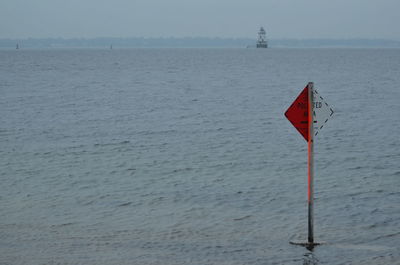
(322, 112)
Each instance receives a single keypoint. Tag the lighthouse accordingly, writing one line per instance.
(262, 39)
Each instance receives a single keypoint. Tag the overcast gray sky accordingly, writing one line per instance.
(207, 18)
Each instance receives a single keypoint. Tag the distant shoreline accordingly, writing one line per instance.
(193, 42)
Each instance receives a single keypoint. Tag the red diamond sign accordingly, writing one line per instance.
(297, 113)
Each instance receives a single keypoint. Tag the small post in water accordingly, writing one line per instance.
(310, 87)
(308, 114)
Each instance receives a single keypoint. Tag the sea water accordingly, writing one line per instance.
(184, 156)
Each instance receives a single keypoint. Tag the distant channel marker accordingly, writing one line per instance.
(308, 114)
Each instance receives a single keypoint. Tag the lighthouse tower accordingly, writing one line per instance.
(262, 39)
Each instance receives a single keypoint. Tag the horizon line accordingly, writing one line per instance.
(198, 37)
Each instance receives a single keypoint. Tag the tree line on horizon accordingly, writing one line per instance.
(142, 42)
